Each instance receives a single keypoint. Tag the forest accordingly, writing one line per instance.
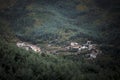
(57, 23)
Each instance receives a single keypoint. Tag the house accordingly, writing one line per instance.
(68, 47)
(92, 56)
(28, 46)
(35, 48)
(20, 44)
(74, 48)
(82, 48)
(73, 44)
(89, 42)
(92, 46)
(94, 53)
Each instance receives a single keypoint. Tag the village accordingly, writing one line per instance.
(88, 49)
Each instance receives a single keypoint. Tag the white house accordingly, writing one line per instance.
(92, 46)
(93, 56)
(20, 44)
(35, 48)
(73, 43)
(28, 46)
(82, 48)
(88, 42)
(94, 53)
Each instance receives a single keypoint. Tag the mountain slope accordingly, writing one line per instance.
(78, 20)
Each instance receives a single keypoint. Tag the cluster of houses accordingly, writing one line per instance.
(73, 47)
(91, 48)
(76, 47)
(28, 46)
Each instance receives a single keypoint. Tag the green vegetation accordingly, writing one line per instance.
(59, 22)
(66, 20)
(18, 64)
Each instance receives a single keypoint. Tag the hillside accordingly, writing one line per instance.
(52, 27)
(19, 64)
(39, 21)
